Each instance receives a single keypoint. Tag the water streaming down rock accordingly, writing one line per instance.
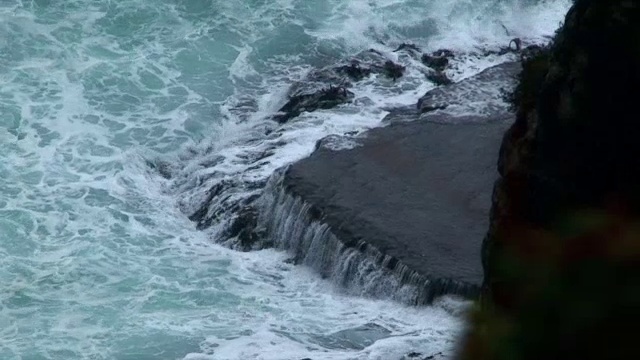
(120, 119)
(226, 178)
(397, 212)
(290, 224)
(432, 254)
(222, 180)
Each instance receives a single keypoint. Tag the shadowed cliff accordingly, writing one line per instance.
(562, 255)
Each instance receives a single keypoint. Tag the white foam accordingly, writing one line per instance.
(459, 25)
(314, 308)
(96, 259)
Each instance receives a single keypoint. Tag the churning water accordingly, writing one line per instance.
(97, 257)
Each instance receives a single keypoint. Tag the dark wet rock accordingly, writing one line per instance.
(515, 46)
(532, 51)
(393, 70)
(318, 80)
(438, 60)
(407, 47)
(243, 227)
(328, 87)
(417, 192)
(401, 114)
(337, 142)
(434, 356)
(323, 99)
(358, 70)
(444, 53)
(378, 63)
(438, 63)
(411, 50)
(477, 96)
(368, 63)
(224, 201)
(419, 356)
(429, 108)
(355, 71)
(439, 78)
(342, 74)
(254, 157)
(413, 355)
(379, 190)
(200, 216)
(374, 51)
(220, 199)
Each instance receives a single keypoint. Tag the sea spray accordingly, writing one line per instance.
(117, 117)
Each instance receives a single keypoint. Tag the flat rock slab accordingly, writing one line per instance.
(419, 192)
(477, 97)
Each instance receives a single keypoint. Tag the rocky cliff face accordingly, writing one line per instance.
(562, 255)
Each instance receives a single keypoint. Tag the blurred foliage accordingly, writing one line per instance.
(562, 257)
(577, 297)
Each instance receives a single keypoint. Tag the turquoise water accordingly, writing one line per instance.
(97, 257)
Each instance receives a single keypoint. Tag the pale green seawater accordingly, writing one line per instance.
(97, 261)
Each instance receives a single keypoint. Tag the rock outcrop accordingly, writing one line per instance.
(328, 87)
(562, 255)
(397, 212)
(475, 98)
(415, 195)
(225, 200)
(322, 99)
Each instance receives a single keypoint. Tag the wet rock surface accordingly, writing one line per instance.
(328, 87)
(477, 98)
(438, 63)
(402, 114)
(243, 227)
(223, 196)
(408, 48)
(419, 356)
(439, 78)
(418, 192)
(479, 95)
(354, 71)
(323, 99)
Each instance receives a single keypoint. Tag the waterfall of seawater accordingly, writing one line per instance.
(120, 120)
(290, 224)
